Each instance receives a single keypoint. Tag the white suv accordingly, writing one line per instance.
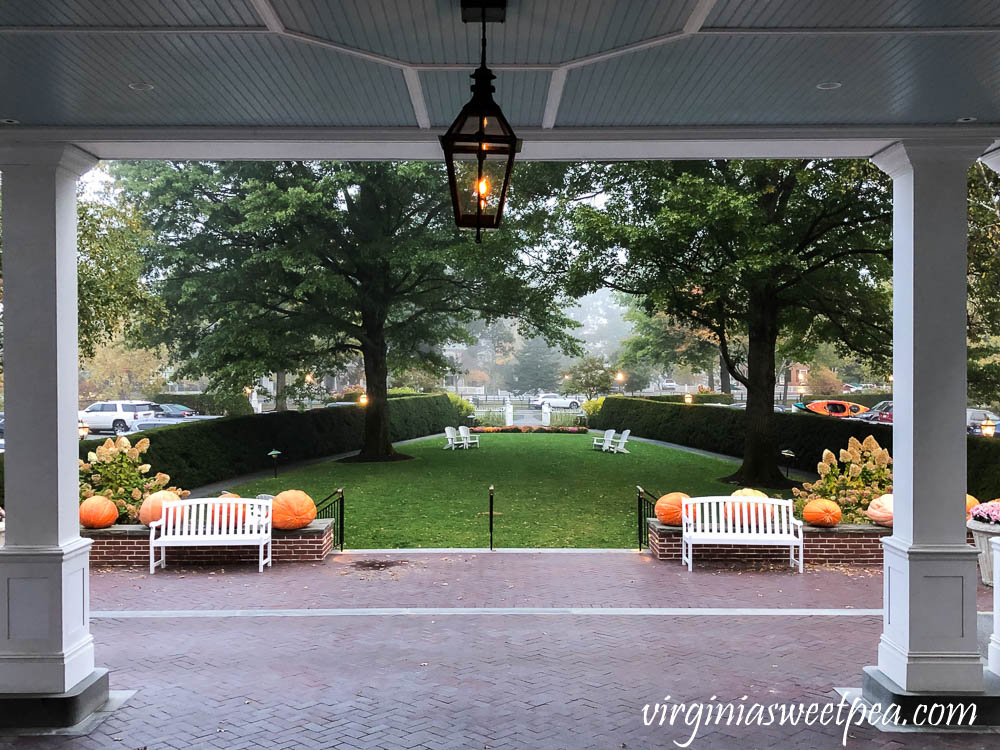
(555, 401)
(116, 416)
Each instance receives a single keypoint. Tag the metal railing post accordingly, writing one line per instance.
(638, 514)
(340, 531)
(491, 517)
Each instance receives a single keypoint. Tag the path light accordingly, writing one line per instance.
(363, 399)
(988, 427)
(688, 398)
(620, 377)
(480, 145)
(309, 378)
(274, 457)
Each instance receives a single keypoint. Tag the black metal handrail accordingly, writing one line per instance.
(332, 506)
(644, 508)
(491, 516)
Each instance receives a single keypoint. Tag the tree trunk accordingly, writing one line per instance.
(711, 378)
(280, 400)
(377, 438)
(784, 390)
(724, 382)
(760, 450)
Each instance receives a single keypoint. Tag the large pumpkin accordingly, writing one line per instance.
(668, 508)
(753, 510)
(970, 503)
(152, 506)
(880, 510)
(228, 511)
(821, 513)
(98, 512)
(292, 509)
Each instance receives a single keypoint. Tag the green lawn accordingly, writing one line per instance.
(551, 491)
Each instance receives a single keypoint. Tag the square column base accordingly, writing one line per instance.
(52, 710)
(914, 707)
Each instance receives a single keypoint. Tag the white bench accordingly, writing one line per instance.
(212, 522)
(762, 521)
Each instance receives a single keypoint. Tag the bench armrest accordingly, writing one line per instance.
(156, 524)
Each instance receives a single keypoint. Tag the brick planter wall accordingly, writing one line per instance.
(845, 544)
(129, 545)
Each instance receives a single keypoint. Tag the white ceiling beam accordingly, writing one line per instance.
(852, 31)
(698, 15)
(627, 49)
(344, 49)
(556, 84)
(131, 30)
(416, 91)
(265, 10)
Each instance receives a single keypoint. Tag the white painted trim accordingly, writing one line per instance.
(851, 31)
(265, 10)
(627, 49)
(317, 41)
(698, 15)
(416, 91)
(556, 84)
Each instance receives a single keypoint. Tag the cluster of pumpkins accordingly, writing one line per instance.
(291, 509)
(816, 512)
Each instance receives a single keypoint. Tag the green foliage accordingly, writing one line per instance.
(463, 408)
(698, 398)
(115, 469)
(211, 450)
(861, 475)
(491, 418)
(721, 430)
(592, 407)
(562, 419)
(824, 380)
(590, 376)
(225, 404)
(535, 369)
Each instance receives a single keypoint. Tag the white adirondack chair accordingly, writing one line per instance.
(604, 443)
(618, 446)
(467, 438)
(454, 441)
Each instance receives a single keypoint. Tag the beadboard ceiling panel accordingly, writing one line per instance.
(431, 31)
(218, 80)
(521, 95)
(772, 80)
(856, 13)
(129, 13)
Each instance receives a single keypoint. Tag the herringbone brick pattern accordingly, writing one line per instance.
(488, 682)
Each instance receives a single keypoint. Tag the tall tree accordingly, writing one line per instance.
(747, 247)
(535, 368)
(275, 266)
(589, 375)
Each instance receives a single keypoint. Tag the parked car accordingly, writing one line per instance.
(116, 416)
(152, 423)
(974, 419)
(873, 414)
(173, 410)
(82, 428)
(556, 401)
(669, 385)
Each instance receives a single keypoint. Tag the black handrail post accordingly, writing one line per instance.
(638, 513)
(340, 531)
(491, 518)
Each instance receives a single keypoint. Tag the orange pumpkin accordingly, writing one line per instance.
(98, 512)
(228, 494)
(228, 511)
(152, 506)
(970, 503)
(292, 509)
(821, 513)
(752, 509)
(880, 510)
(668, 508)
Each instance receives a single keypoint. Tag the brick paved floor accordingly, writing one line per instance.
(489, 682)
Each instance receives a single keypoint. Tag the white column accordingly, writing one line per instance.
(929, 623)
(45, 641)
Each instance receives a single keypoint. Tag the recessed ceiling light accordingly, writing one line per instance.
(829, 85)
(966, 119)
(141, 86)
(9, 121)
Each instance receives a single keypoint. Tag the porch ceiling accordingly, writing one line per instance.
(570, 71)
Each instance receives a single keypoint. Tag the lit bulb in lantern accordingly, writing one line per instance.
(484, 186)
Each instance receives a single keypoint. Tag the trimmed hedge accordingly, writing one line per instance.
(226, 404)
(697, 398)
(212, 450)
(721, 430)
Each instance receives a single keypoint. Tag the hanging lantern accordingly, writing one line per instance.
(479, 147)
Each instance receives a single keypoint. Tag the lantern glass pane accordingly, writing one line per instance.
(477, 189)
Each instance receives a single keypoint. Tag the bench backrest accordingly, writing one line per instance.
(737, 515)
(464, 431)
(217, 516)
(624, 438)
(450, 433)
(609, 436)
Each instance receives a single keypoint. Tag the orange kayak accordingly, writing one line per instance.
(833, 408)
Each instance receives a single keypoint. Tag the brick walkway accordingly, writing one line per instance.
(489, 682)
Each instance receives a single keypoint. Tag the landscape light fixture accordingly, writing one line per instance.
(988, 427)
(480, 145)
(688, 398)
(274, 457)
(363, 399)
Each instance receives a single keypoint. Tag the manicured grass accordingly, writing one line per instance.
(551, 491)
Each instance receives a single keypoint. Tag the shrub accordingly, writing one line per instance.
(592, 407)
(527, 430)
(491, 418)
(226, 404)
(562, 419)
(697, 398)
(864, 476)
(115, 470)
(463, 408)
